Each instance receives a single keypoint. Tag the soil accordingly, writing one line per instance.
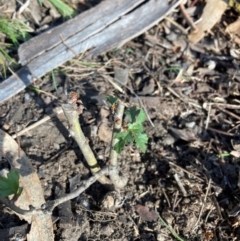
(189, 175)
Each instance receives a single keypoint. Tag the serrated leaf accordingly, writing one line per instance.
(9, 185)
(123, 139)
(121, 135)
(132, 112)
(141, 141)
(141, 117)
(112, 99)
(135, 128)
(118, 147)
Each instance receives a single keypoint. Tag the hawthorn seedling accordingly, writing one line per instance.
(134, 133)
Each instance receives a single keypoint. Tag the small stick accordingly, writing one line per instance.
(117, 87)
(23, 7)
(221, 132)
(164, 193)
(203, 204)
(176, 25)
(181, 98)
(63, 41)
(180, 185)
(58, 111)
(48, 207)
(184, 170)
(208, 116)
(229, 113)
(188, 18)
(228, 106)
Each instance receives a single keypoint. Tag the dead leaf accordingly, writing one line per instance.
(32, 194)
(146, 214)
(212, 13)
(186, 135)
(234, 27)
(235, 154)
(105, 132)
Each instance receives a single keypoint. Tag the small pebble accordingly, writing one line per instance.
(190, 124)
(47, 100)
(168, 140)
(56, 146)
(27, 97)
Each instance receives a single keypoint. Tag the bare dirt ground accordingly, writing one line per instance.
(189, 174)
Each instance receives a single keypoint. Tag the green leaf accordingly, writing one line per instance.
(123, 139)
(135, 128)
(10, 185)
(64, 9)
(134, 132)
(33, 88)
(112, 99)
(118, 147)
(141, 117)
(141, 141)
(40, 3)
(132, 112)
(121, 135)
(54, 81)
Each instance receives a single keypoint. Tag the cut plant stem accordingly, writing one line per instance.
(118, 181)
(72, 112)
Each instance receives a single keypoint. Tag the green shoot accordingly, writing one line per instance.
(5, 61)
(134, 132)
(77, 62)
(40, 3)
(171, 229)
(39, 91)
(112, 100)
(54, 81)
(224, 154)
(10, 185)
(129, 51)
(65, 10)
(14, 29)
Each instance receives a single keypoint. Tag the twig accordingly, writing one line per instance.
(118, 182)
(156, 81)
(72, 112)
(180, 185)
(181, 98)
(184, 170)
(63, 41)
(164, 192)
(23, 7)
(221, 132)
(48, 207)
(176, 25)
(208, 116)
(188, 18)
(203, 204)
(58, 111)
(117, 87)
(228, 106)
(229, 113)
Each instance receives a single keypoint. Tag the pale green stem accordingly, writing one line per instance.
(72, 112)
(118, 181)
